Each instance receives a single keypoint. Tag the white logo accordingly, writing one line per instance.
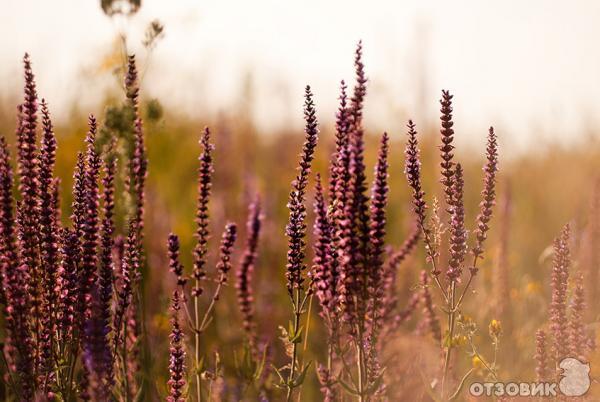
(574, 381)
(575, 378)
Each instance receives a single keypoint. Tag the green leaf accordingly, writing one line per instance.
(302, 375)
(261, 365)
(297, 336)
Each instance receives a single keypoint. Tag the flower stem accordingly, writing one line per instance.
(297, 312)
(197, 344)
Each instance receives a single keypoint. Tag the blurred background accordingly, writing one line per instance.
(528, 66)
(530, 69)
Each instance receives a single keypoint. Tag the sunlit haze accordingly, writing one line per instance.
(531, 68)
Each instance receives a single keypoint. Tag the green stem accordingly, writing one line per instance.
(297, 312)
(451, 321)
(197, 344)
(305, 346)
(125, 374)
(359, 363)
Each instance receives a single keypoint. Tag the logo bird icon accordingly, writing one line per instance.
(575, 378)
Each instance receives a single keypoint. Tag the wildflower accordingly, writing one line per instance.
(342, 127)
(129, 277)
(412, 170)
(477, 363)
(15, 278)
(68, 284)
(227, 242)
(488, 193)
(495, 329)
(296, 228)
(558, 307)
(577, 334)
(174, 265)
(377, 223)
(541, 358)
(89, 228)
(177, 355)
(97, 351)
(322, 276)
(204, 188)
(447, 135)
(245, 271)
(458, 233)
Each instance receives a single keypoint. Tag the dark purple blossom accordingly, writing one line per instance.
(225, 250)
(296, 227)
(458, 233)
(339, 161)
(89, 242)
(15, 281)
(245, 270)
(177, 355)
(488, 194)
(374, 267)
(129, 276)
(447, 136)
(49, 231)
(202, 216)
(69, 292)
(174, 265)
(323, 277)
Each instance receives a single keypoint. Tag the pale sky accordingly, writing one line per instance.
(532, 67)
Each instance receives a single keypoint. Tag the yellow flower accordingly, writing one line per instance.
(495, 328)
(459, 340)
(477, 363)
(465, 319)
